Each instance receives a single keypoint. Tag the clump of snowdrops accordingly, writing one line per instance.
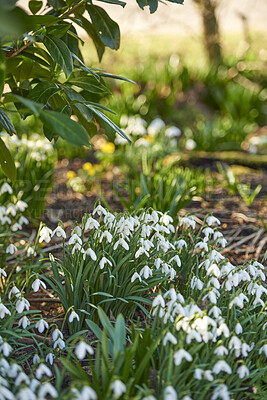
(203, 334)
(35, 159)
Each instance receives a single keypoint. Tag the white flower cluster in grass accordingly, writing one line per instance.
(37, 147)
(137, 129)
(11, 212)
(213, 313)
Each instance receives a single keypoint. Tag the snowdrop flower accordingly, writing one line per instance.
(106, 235)
(141, 251)
(221, 365)
(21, 205)
(14, 291)
(24, 321)
(212, 220)
(41, 325)
(173, 131)
(195, 282)
(238, 300)
(193, 335)
(135, 276)
(59, 232)
(208, 231)
(215, 311)
(76, 231)
(11, 249)
(43, 370)
(243, 372)
(73, 315)
(123, 243)
(222, 242)
(3, 311)
(6, 188)
(23, 220)
(180, 244)
(188, 221)
(21, 378)
(103, 261)
(91, 223)
(180, 355)
(235, 344)
(45, 235)
(263, 350)
(155, 127)
(37, 283)
(214, 282)
(16, 227)
(207, 375)
(21, 304)
(169, 393)
(36, 359)
(223, 328)
(146, 272)
(99, 210)
(5, 348)
(221, 392)
(57, 334)
(214, 270)
(91, 253)
(198, 373)
(30, 251)
(75, 239)
(59, 343)
(158, 301)
(238, 328)
(82, 348)
(87, 393)
(46, 389)
(50, 358)
(169, 338)
(221, 351)
(172, 273)
(118, 387)
(11, 209)
(25, 393)
(177, 260)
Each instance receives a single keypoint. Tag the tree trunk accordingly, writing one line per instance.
(211, 29)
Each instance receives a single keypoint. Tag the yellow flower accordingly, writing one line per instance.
(87, 166)
(150, 139)
(91, 171)
(71, 174)
(108, 148)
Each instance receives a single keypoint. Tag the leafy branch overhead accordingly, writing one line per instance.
(42, 71)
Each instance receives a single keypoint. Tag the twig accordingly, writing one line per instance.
(44, 300)
(254, 241)
(243, 240)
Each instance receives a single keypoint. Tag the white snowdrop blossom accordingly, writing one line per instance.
(22, 304)
(180, 355)
(122, 242)
(36, 359)
(50, 358)
(221, 392)
(103, 262)
(238, 329)
(91, 253)
(212, 220)
(91, 223)
(41, 325)
(118, 387)
(243, 371)
(106, 235)
(221, 351)
(24, 322)
(146, 272)
(75, 239)
(221, 365)
(73, 315)
(99, 210)
(6, 188)
(82, 348)
(21, 205)
(136, 276)
(5, 348)
(11, 249)
(188, 221)
(46, 389)
(87, 393)
(177, 260)
(59, 232)
(56, 334)
(198, 373)
(45, 235)
(43, 370)
(170, 393)
(3, 310)
(169, 337)
(263, 350)
(37, 283)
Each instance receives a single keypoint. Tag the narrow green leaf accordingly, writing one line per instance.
(60, 53)
(2, 71)
(7, 162)
(152, 4)
(119, 3)
(108, 75)
(89, 84)
(107, 29)
(43, 91)
(6, 123)
(34, 107)
(65, 127)
(92, 32)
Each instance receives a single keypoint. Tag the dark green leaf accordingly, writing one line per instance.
(16, 22)
(56, 4)
(60, 53)
(6, 123)
(108, 75)
(43, 19)
(33, 57)
(107, 29)
(89, 84)
(2, 71)
(58, 30)
(65, 127)
(7, 162)
(43, 91)
(91, 31)
(35, 5)
(79, 108)
(119, 3)
(109, 122)
(7, 5)
(176, 1)
(30, 105)
(152, 4)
